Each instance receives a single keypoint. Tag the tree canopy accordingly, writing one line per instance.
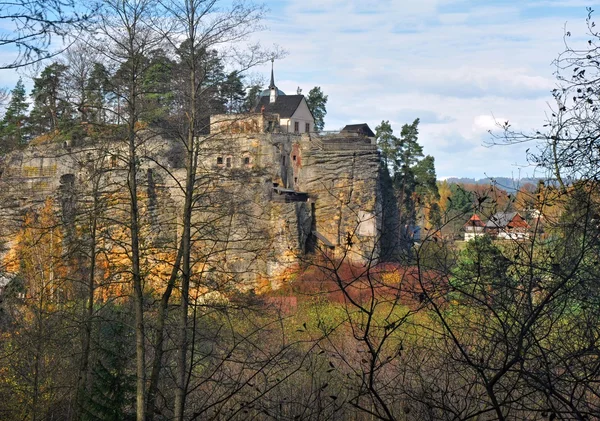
(317, 102)
(413, 174)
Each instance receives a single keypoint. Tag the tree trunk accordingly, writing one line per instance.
(84, 374)
(192, 152)
(138, 292)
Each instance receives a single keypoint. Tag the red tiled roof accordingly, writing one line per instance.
(475, 221)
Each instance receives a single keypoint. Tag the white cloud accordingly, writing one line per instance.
(456, 64)
(484, 123)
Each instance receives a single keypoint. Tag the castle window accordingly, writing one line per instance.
(246, 160)
(228, 162)
(296, 127)
(219, 160)
(307, 127)
(294, 158)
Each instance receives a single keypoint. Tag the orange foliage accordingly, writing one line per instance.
(38, 256)
(45, 138)
(445, 193)
(385, 283)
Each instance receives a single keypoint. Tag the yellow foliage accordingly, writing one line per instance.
(445, 193)
(45, 138)
(141, 125)
(38, 256)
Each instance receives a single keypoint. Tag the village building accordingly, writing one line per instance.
(500, 226)
(474, 227)
(508, 226)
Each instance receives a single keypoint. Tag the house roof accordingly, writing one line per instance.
(285, 105)
(267, 93)
(506, 219)
(475, 221)
(362, 128)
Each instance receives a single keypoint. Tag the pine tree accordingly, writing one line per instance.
(317, 102)
(386, 141)
(413, 175)
(210, 77)
(113, 388)
(157, 86)
(97, 88)
(50, 105)
(233, 92)
(252, 97)
(13, 129)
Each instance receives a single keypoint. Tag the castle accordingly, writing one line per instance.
(271, 192)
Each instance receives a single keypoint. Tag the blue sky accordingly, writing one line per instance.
(456, 64)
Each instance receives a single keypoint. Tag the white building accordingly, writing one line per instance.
(294, 114)
(474, 228)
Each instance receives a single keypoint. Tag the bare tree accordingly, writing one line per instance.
(34, 24)
(125, 28)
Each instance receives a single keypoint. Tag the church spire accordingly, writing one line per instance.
(272, 87)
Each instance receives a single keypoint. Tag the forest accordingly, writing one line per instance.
(101, 318)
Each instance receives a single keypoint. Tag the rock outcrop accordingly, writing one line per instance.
(264, 201)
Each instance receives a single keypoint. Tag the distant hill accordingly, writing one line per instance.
(506, 183)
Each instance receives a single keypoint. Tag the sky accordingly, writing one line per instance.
(457, 65)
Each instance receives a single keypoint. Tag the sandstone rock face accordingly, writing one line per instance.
(341, 175)
(264, 201)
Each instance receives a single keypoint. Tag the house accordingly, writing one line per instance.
(507, 226)
(474, 228)
(293, 111)
(362, 129)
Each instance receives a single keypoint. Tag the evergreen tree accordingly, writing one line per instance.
(97, 91)
(252, 97)
(50, 104)
(209, 79)
(386, 141)
(13, 128)
(317, 102)
(425, 178)
(232, 90)
(483, 272)
(413, 175)
(435, 216)
(462, 200)
(157, 85)
(112, 390)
